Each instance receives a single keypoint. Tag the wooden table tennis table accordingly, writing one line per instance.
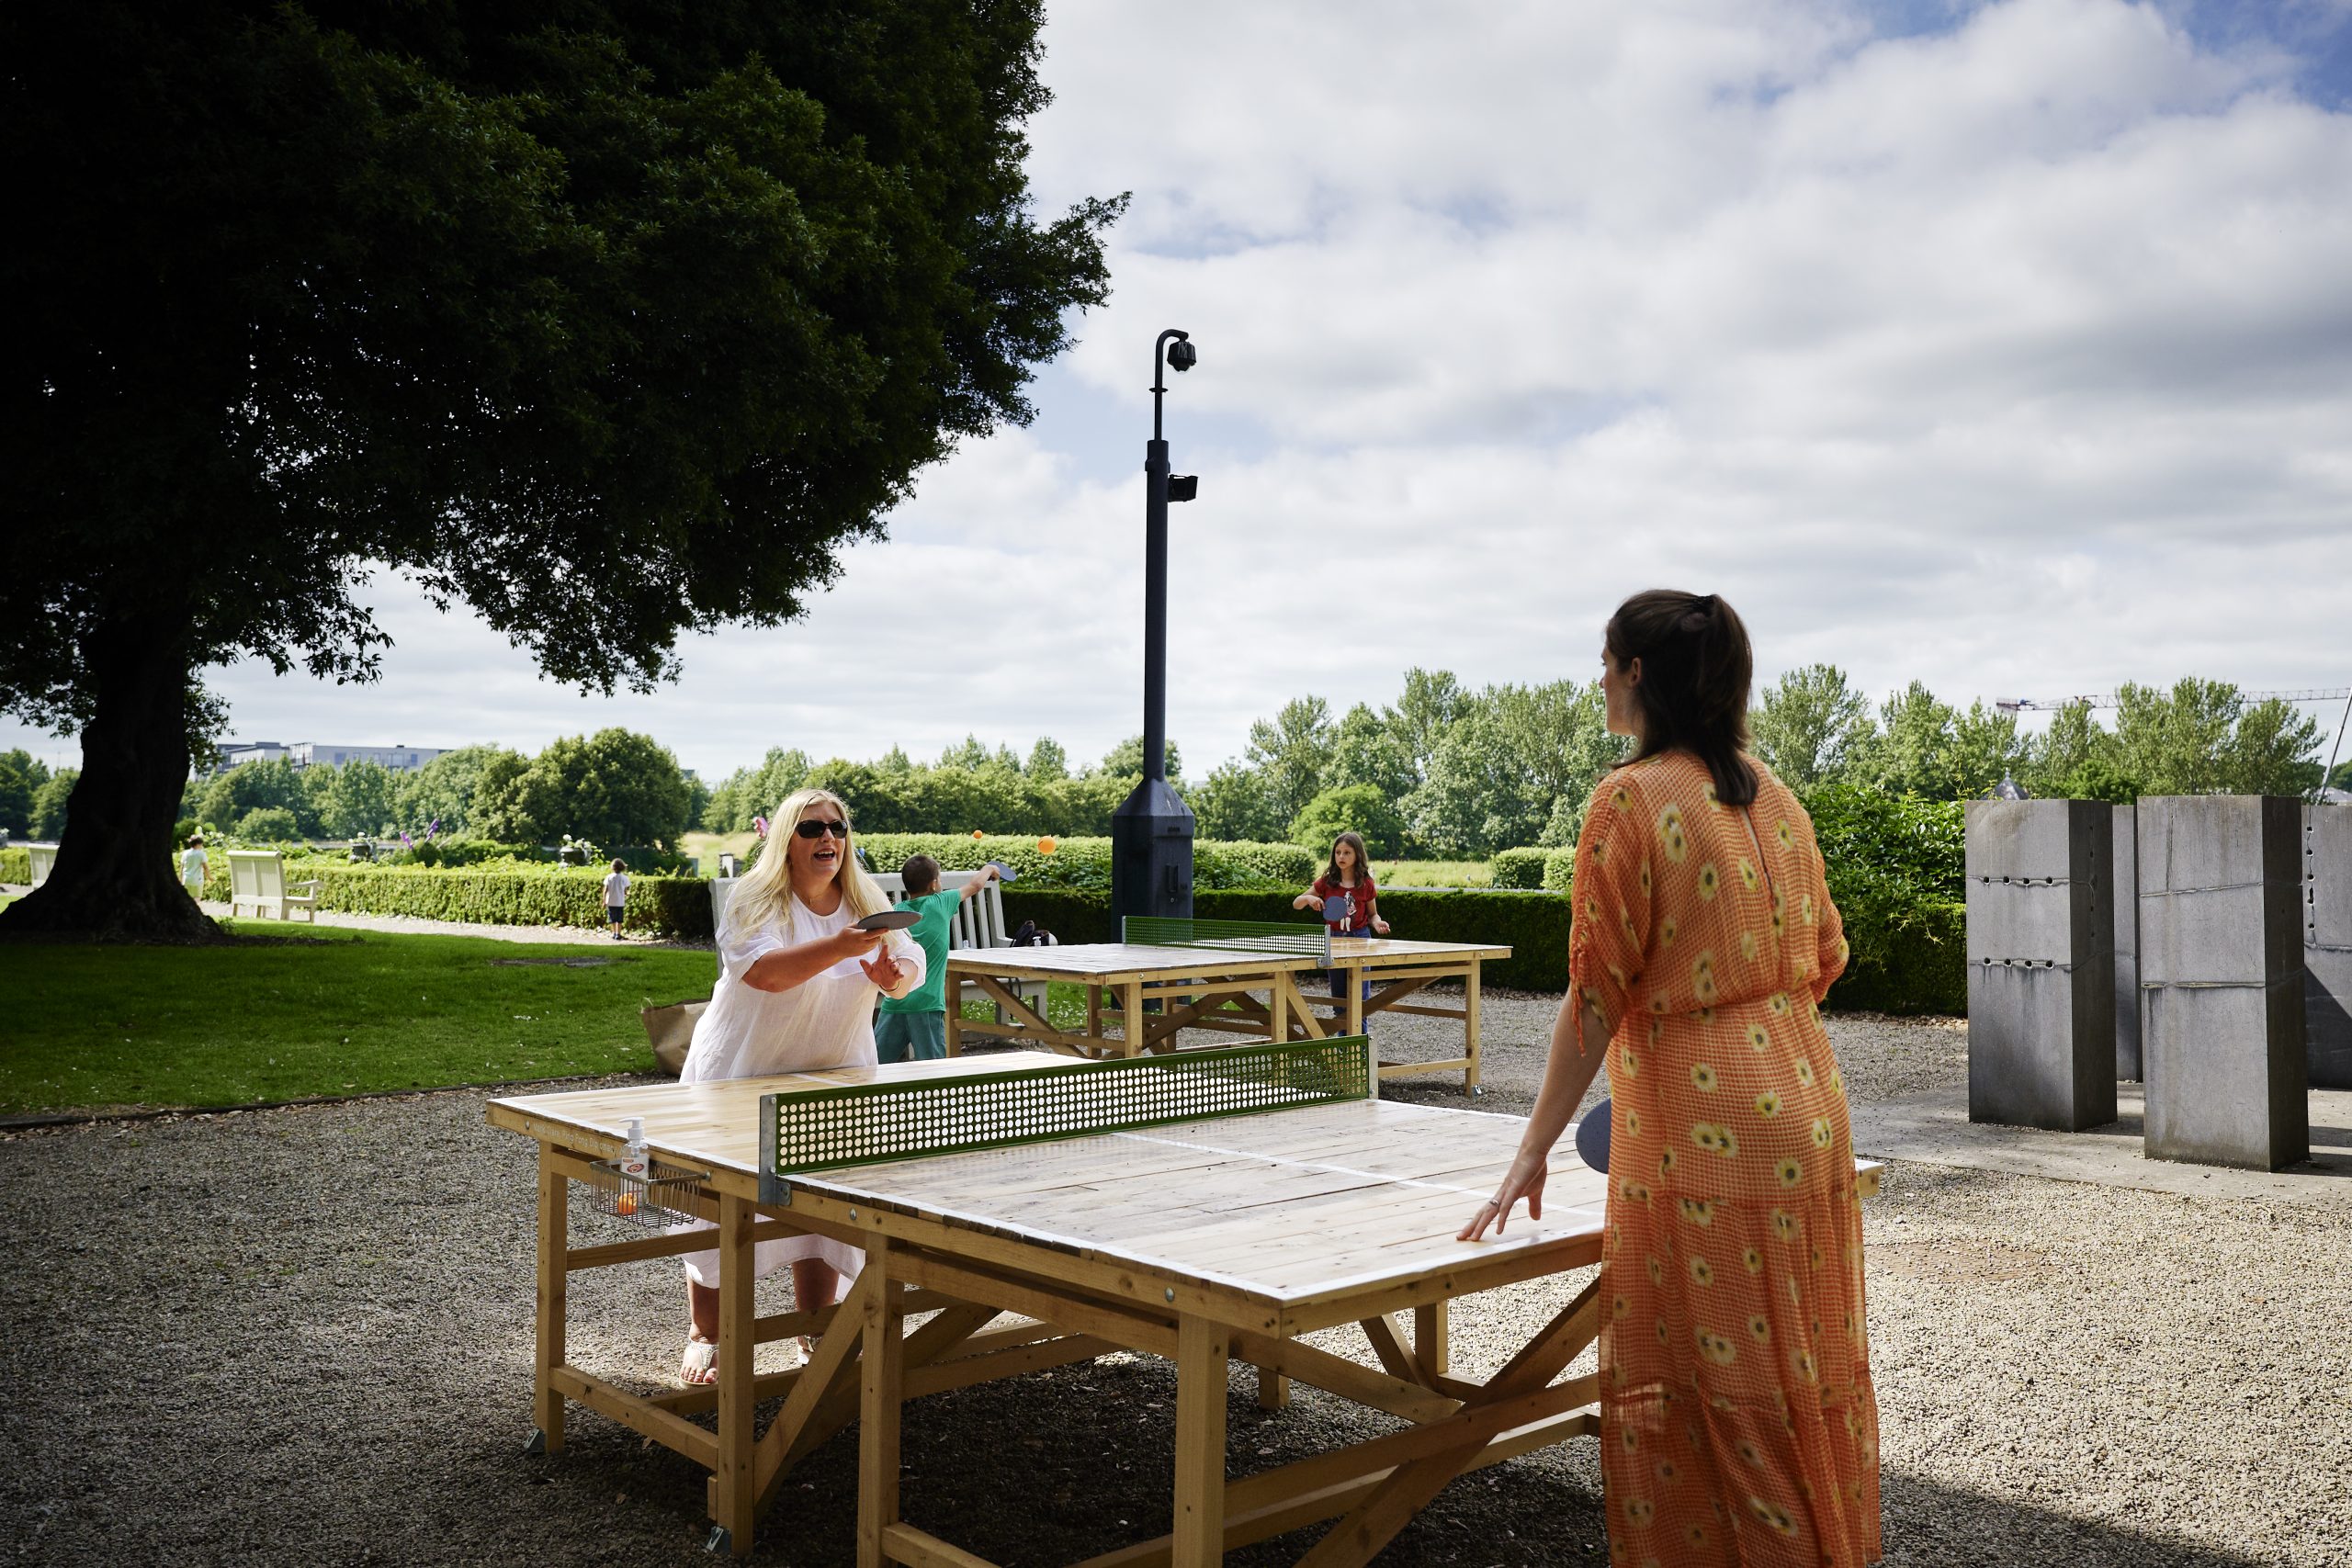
(1138, 996)
(1204, 1242)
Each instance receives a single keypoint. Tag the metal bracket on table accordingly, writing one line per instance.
(721, 1541)
(537, 1446)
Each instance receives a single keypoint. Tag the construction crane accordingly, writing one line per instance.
(2107, 699)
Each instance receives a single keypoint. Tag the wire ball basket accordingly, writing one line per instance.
(663, 1197)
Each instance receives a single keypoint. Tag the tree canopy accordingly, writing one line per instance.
(612, 322)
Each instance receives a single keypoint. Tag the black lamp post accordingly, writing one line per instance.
(1151, 833)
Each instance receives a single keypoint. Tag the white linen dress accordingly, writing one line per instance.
(827, 1021)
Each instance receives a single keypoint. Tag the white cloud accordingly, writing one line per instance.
(2013, 358)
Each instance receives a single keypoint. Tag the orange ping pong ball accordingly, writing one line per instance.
(1046, 845)
(977, 833)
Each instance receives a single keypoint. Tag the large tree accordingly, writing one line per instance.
(610, 322)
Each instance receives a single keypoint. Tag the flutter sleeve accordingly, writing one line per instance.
(1610, 928)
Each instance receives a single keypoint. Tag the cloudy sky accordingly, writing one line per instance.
(2004, 347)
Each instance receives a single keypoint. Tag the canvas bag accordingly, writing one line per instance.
(671, 1028)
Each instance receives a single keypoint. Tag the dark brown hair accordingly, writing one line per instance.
(921, 874)
(1354, 840)
(1696, 667)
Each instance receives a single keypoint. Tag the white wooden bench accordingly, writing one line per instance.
(44, 859)
(258, 878)
(979, 922)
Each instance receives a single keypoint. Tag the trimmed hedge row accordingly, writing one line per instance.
(1925, 973)
(509, 895)
(1086, 863)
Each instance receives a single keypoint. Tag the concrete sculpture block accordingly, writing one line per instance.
(2041, 1031)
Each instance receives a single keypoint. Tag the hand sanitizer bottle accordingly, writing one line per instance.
(633, 1160)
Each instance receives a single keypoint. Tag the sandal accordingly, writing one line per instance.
(699, 1367)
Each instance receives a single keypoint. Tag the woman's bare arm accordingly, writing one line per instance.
(790, 966)
(1579, 1047)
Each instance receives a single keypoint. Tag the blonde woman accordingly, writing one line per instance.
(795, 991)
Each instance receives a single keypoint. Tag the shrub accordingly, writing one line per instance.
(267, 825)
(1363, 808)
(542, 895)
(15, 866)
(1924, 973)
(1522, 870)
(1086, 863)
(1559, 870)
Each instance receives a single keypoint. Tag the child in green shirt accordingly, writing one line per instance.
(914, 1027)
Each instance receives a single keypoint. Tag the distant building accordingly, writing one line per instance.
(306, 753)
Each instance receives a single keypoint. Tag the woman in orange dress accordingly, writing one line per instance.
(1737, 1424)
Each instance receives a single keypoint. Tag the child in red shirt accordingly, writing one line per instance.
(1350, 876)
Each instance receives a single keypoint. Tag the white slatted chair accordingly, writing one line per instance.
(44, 859)
(257, 880)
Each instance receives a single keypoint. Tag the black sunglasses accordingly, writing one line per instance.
(811, 828)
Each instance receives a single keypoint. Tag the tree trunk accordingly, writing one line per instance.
(114, 879)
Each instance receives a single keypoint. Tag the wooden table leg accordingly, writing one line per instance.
(737, 1490)
(881, 1387)
(1354, 978)
(956, 1016)
(1431, 1351)
(555, 1213)
(1273, 1390)
(1131, 1025)
(1470, 1028)
(1203, 1353)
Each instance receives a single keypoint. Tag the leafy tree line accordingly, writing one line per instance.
(2198, 737)
(1447, 771)
(969, 788)
(612, 787)
(32, 799)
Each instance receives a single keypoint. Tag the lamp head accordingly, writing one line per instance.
(1181, 355)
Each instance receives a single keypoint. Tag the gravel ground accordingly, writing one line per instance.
(303, 1335)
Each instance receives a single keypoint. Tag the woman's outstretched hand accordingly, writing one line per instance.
(1524, 1179)
(884, 969)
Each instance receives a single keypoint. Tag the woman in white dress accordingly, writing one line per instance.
(795, 992)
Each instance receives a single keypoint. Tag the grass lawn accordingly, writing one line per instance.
(709, 845)
(122, 1026)
(1432, 873)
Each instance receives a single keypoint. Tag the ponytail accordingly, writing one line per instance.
(1696, 669)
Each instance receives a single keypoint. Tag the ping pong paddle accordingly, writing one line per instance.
(1335, 909)
(888, 920)
(1003, 872)
(1592, 1137)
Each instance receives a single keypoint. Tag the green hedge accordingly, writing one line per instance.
(1086, 863)
(15, 866)
(1922, 969)
(1559, 870)
(536, 895)
(1924, 974)
(1520, 869)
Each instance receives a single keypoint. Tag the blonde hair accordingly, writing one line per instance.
(764, 894)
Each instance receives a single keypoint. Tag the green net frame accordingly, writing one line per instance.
(873, 1124)
(1246, 936)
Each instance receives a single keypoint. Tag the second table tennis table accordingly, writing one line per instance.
(1229, 978)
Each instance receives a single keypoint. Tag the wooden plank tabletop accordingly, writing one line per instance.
(1399, 950)
(1287, 1207)
(1284, 1207)
(1101, 962)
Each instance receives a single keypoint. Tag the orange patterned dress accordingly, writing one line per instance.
(1738, 1421)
